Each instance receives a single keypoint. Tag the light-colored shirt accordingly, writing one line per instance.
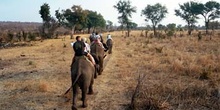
(87, 49)
(109, 37)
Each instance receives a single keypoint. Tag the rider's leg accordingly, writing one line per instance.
(91, 58)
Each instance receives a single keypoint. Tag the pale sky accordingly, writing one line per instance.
(28, 10)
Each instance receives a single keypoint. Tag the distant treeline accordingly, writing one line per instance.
(19, 26)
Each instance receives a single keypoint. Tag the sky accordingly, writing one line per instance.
(28, 10)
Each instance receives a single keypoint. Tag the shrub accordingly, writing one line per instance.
(10, 36)
(170, 33)
(31, 36)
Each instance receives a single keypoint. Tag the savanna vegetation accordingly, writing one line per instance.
(157, 67)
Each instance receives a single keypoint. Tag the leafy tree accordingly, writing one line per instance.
(125, 9)
(171, 26)
(45, 15)
(94, 20)
(49, 23)
(154, 13)
(102, 22)
(60, 17)
(187, 14)
(45, 12)
(161, 27)
(70, 18)
(132, 25)
(210, 11)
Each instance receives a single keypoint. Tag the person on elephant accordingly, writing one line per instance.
(102, 41)
(79, 48)
(92, 37)
(101, 38)
(109, 37)
(97, 40)
(87, 48)
(109, 43)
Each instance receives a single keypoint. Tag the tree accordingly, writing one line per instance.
(45, 15)
(94, 20)
(214, 25)
(161, 27)
(187, 14)
(49, 23)
(132, 25)
(154, 13)
(45, 12)
(70, 18)
(125, 9)
(60, 17)
(52, 26)
(210, 11)
(171, 26)
(109, 24)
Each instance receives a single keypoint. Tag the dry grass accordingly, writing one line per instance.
(180, 73)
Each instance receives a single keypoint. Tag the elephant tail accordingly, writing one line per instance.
(74, 82)
(77, 77)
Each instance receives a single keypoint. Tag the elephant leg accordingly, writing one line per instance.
(110, 50)
(91, 86)
(95, 74)
(75, 92)
(84, 92)
(101, 65)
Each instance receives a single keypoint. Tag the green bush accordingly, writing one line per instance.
(170, 33)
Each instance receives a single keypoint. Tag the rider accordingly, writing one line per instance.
(87, 48)
(79, 48)
(98, 39)
(109, 37)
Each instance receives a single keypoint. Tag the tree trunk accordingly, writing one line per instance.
(72, 32)
(128, 32)
(94, 30)
(189, 29)
(155, 32)
(89, 28)
(206, 26)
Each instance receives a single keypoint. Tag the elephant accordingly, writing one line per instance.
(97, 52)
(109, 43)
(82, 75)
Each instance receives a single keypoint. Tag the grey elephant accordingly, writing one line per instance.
(82, 75)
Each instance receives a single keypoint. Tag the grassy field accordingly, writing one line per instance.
(175, 73)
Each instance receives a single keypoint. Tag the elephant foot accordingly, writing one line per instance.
(91, 92)
(95, 76)
(74, 107)
(85, 105)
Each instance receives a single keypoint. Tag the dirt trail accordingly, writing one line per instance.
(110, 95)
(109, 89)
(36, 80)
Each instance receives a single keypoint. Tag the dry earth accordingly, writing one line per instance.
(34, 77)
